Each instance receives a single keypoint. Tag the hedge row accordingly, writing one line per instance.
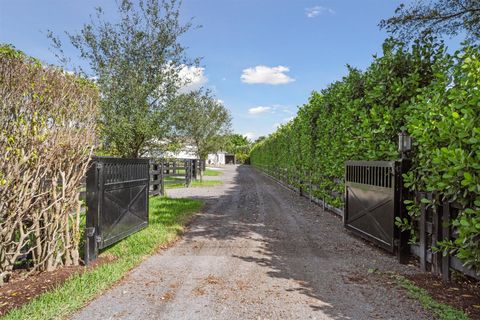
(433, 95)
(47, 134)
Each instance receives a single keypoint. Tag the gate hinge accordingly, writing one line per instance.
(90, 231)
(98, 239)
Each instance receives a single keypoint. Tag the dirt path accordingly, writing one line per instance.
(258, 251)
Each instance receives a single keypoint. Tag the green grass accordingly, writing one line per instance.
(174, 182)
(440, 310)
(212, 173)
(206, 183)
(167, 218)
(195, 184)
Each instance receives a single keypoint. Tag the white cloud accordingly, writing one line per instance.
(258, 110)
(250, 135)
(274, 109)
(317, 10)
(192, 78)
(266, 75)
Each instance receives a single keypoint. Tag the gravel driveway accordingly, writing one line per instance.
(258, 251)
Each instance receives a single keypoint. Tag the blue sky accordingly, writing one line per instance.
(262, 58)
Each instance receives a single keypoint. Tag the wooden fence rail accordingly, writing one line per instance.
(300, 183)
(165, 172)
(433, 226)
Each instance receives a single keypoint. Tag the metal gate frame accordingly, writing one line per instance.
(370, 186)
(109, 216)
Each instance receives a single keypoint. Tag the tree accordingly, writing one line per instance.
(235, 140)
(202, 120)
(238, 145)
(449, 17)
(136, 63)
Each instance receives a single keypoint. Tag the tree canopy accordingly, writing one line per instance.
(136, 63)
(238, 145)
(201, 120)
(439, 17)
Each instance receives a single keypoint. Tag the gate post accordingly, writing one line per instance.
(190, 173)
(154, 178)
(194, 169)
(401, 167)
(93, 182)
(187, 172)
(162, 178)
(436, 236)
(446, 236)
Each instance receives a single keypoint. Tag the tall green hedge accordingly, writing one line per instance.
(433, 95)
(444, 121)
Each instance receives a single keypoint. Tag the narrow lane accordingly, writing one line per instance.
(258, 251)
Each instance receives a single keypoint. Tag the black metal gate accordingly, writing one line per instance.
(372, 200)
(117, 201)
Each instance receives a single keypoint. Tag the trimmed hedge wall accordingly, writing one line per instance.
(433, 95)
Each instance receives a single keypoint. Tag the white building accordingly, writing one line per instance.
(220, 158)
(188, 152)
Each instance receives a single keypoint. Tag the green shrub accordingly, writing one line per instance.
(444, 121)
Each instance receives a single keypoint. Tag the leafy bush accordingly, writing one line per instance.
(47, 134)
(444, 121)
(434, 95)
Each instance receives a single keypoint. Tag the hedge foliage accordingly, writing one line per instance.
(444, 121)
(433, 95)
(47, 135)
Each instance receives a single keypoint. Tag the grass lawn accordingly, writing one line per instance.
(194, 184)
(167, 219)
(206, 183)
(212, 173)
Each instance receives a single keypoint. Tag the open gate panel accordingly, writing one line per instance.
(117, 201)
(371, 198)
